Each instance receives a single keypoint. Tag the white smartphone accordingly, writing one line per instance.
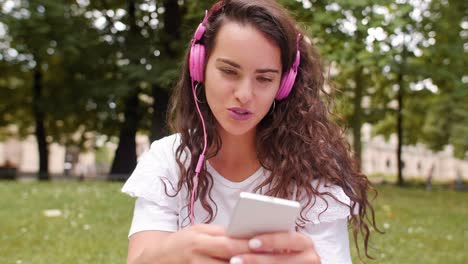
(256, 214)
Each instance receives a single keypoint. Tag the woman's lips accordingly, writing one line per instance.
(238, 113)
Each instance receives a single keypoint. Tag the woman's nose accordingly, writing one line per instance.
(244, 91)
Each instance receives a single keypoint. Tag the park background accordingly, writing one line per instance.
(84, 87)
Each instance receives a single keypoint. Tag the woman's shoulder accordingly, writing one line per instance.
(331, 203)
(166, 149)
(155, 167)
(330, 188)
(166, 144)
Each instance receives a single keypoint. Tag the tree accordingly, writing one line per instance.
(108, 79)
(150, 47)
(447, 115)
(405, 37)
(341, 31)
(37, 44)
(425, 88)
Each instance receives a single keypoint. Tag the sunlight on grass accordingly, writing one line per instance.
(70, 222)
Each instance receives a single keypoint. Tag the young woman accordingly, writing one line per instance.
(248, 115)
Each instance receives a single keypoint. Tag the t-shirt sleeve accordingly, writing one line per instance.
(154, 174)
(331, 241)
(148, 215)
(326, 208)
(328, 224)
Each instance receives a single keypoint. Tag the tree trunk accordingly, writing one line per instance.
(400, 129)
(125, 156)
(356, 121)
(172, 22)
(40, 131)
(159, 127)
(400, 96)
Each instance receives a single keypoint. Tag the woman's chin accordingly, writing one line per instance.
(237, 130)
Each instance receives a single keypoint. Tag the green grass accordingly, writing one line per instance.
(92, 229)
(421, 227)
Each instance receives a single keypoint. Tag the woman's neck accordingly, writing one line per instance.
(237, 158)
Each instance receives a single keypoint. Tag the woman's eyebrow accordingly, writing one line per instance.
(235, 65)
(267, 70)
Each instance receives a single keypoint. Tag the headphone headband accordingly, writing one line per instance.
(197, 57)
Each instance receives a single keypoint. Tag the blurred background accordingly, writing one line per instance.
(84, 88)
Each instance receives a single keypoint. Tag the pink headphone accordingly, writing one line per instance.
(197, 60)
(196, 69)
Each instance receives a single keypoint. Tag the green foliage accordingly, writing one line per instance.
(447, 116)
(87, 72)
(103, 156)
(47, 40)
(90, 68)
(346, 51)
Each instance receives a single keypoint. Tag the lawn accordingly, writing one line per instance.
(91, 222)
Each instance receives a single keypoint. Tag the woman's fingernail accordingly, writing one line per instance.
(255, 243)
(235, 260)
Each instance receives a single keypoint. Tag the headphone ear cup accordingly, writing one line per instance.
(287, 82)
(197, 62)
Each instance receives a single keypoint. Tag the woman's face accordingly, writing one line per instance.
(242, 77)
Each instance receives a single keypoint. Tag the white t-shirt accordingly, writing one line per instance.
(154, 210)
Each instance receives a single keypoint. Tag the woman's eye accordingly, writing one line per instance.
(264, 79)
(228, 71)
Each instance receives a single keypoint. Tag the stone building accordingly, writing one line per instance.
(379, 157)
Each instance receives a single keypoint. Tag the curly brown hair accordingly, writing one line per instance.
(297, 142)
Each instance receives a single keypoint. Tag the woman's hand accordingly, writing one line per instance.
(283, 247)
(201, 244)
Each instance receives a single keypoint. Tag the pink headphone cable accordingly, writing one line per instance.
(196, 69)
(200, 159)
